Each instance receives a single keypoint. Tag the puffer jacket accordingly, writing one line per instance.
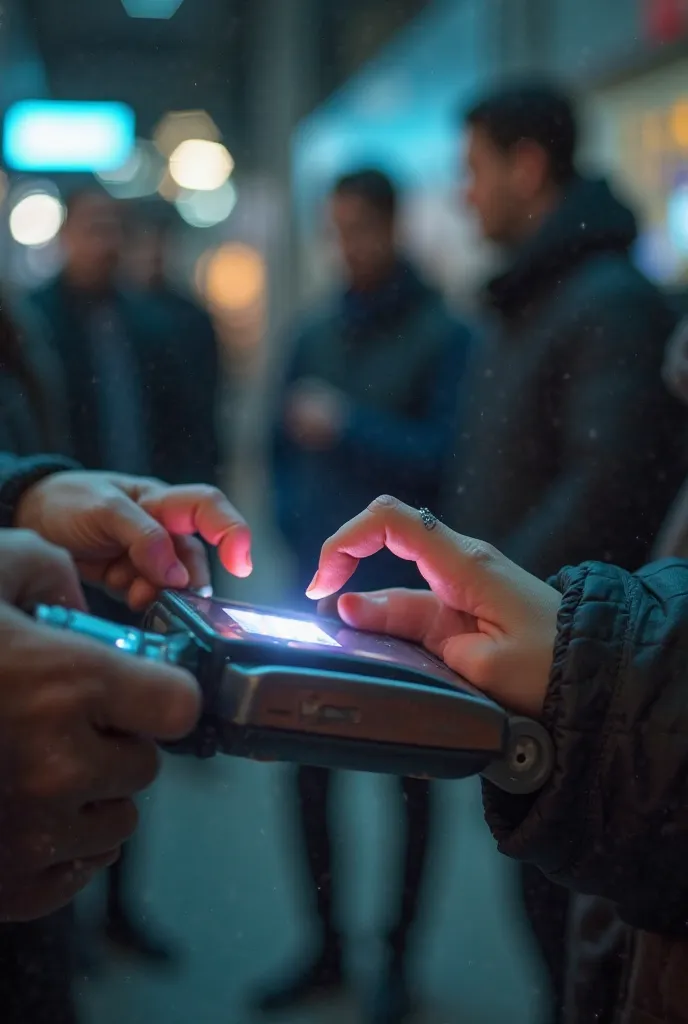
(613, 820)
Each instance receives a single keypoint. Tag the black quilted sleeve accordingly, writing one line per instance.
(613, 820)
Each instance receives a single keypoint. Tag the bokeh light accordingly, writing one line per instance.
(36, 219)
(139, 176)
(232, 277)
(207, 209)
(179, 125)
(200, 166)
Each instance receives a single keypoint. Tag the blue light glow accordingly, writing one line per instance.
(42, 135)
(162, 9)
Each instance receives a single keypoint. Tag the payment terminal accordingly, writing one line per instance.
(298, 688)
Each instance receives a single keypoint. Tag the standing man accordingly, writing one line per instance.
(570, 448)
(126, 412)
(369, 403)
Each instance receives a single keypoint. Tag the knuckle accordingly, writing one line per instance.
(483, 554)
(483, 668)
(124, 822)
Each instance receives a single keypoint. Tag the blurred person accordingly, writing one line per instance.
(570, 447)
(36, 958)
(370, 398)
(193, 354)
(126, 399)
(598, 656)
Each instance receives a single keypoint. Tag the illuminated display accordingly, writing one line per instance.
(42, 135)
(277, 628)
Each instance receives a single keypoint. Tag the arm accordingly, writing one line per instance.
(616, 441)
(613, 821)
(418, 446)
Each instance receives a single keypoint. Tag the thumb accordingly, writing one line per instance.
(149, 546)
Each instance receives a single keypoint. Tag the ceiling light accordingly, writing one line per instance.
(200, 166)
(36, 219)
(151, 8)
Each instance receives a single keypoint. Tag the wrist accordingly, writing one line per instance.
(17, 484)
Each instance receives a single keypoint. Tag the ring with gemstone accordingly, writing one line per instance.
(429, 520)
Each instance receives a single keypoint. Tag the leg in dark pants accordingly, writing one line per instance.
(547, 907)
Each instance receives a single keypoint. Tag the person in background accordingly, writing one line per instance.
(570, 447)
(36, 958)
(125, 413)
(192, 348)
(369, 401)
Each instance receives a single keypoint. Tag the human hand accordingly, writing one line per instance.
(488, 619)
(675, 368)
(78, 723)
(315, 414)
(136, 535)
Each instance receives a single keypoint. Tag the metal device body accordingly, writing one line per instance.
(281, 705)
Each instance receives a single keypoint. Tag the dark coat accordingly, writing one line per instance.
(613, 820)
(398, 356)
(571, 447)
(179, 428)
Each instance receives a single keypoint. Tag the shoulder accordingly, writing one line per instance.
(612, 279)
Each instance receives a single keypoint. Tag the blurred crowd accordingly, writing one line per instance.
(552, 424)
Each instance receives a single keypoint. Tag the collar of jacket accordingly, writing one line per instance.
(589, 219)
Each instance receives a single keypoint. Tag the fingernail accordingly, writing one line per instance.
(248, 561)
(377, 599)
(312, 586)
(177, 576)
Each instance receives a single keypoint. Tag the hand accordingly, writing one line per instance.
(489, 620)
(135, 535)
(675, 368)
(77, 729)
(315, 414)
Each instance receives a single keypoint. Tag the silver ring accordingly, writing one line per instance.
(429, 520)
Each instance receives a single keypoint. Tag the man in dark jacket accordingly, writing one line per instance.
(369, 404)
(571, 448)
(128, 410)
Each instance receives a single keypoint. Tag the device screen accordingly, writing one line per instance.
(237, 622)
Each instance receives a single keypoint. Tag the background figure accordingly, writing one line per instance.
(570, 448)
(192, 350)
(127, 410)
(369, 405)
(36, 959)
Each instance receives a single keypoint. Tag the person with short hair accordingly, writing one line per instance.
(570, 447)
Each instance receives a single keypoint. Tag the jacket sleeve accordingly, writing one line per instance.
(613, 819)
(18, 474)
(613, 416)
(418, 446)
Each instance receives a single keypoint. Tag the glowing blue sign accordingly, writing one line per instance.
(42, 135)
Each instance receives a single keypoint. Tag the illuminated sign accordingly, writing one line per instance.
(42, 135)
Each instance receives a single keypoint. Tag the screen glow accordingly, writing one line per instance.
(277, 628)
(44, 135)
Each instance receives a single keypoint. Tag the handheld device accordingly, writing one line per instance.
(287, 687)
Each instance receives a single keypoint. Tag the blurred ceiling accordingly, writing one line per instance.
(201, 58)
(93, 50)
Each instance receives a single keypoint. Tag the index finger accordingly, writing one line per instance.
(206, 511)
(443, 557)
